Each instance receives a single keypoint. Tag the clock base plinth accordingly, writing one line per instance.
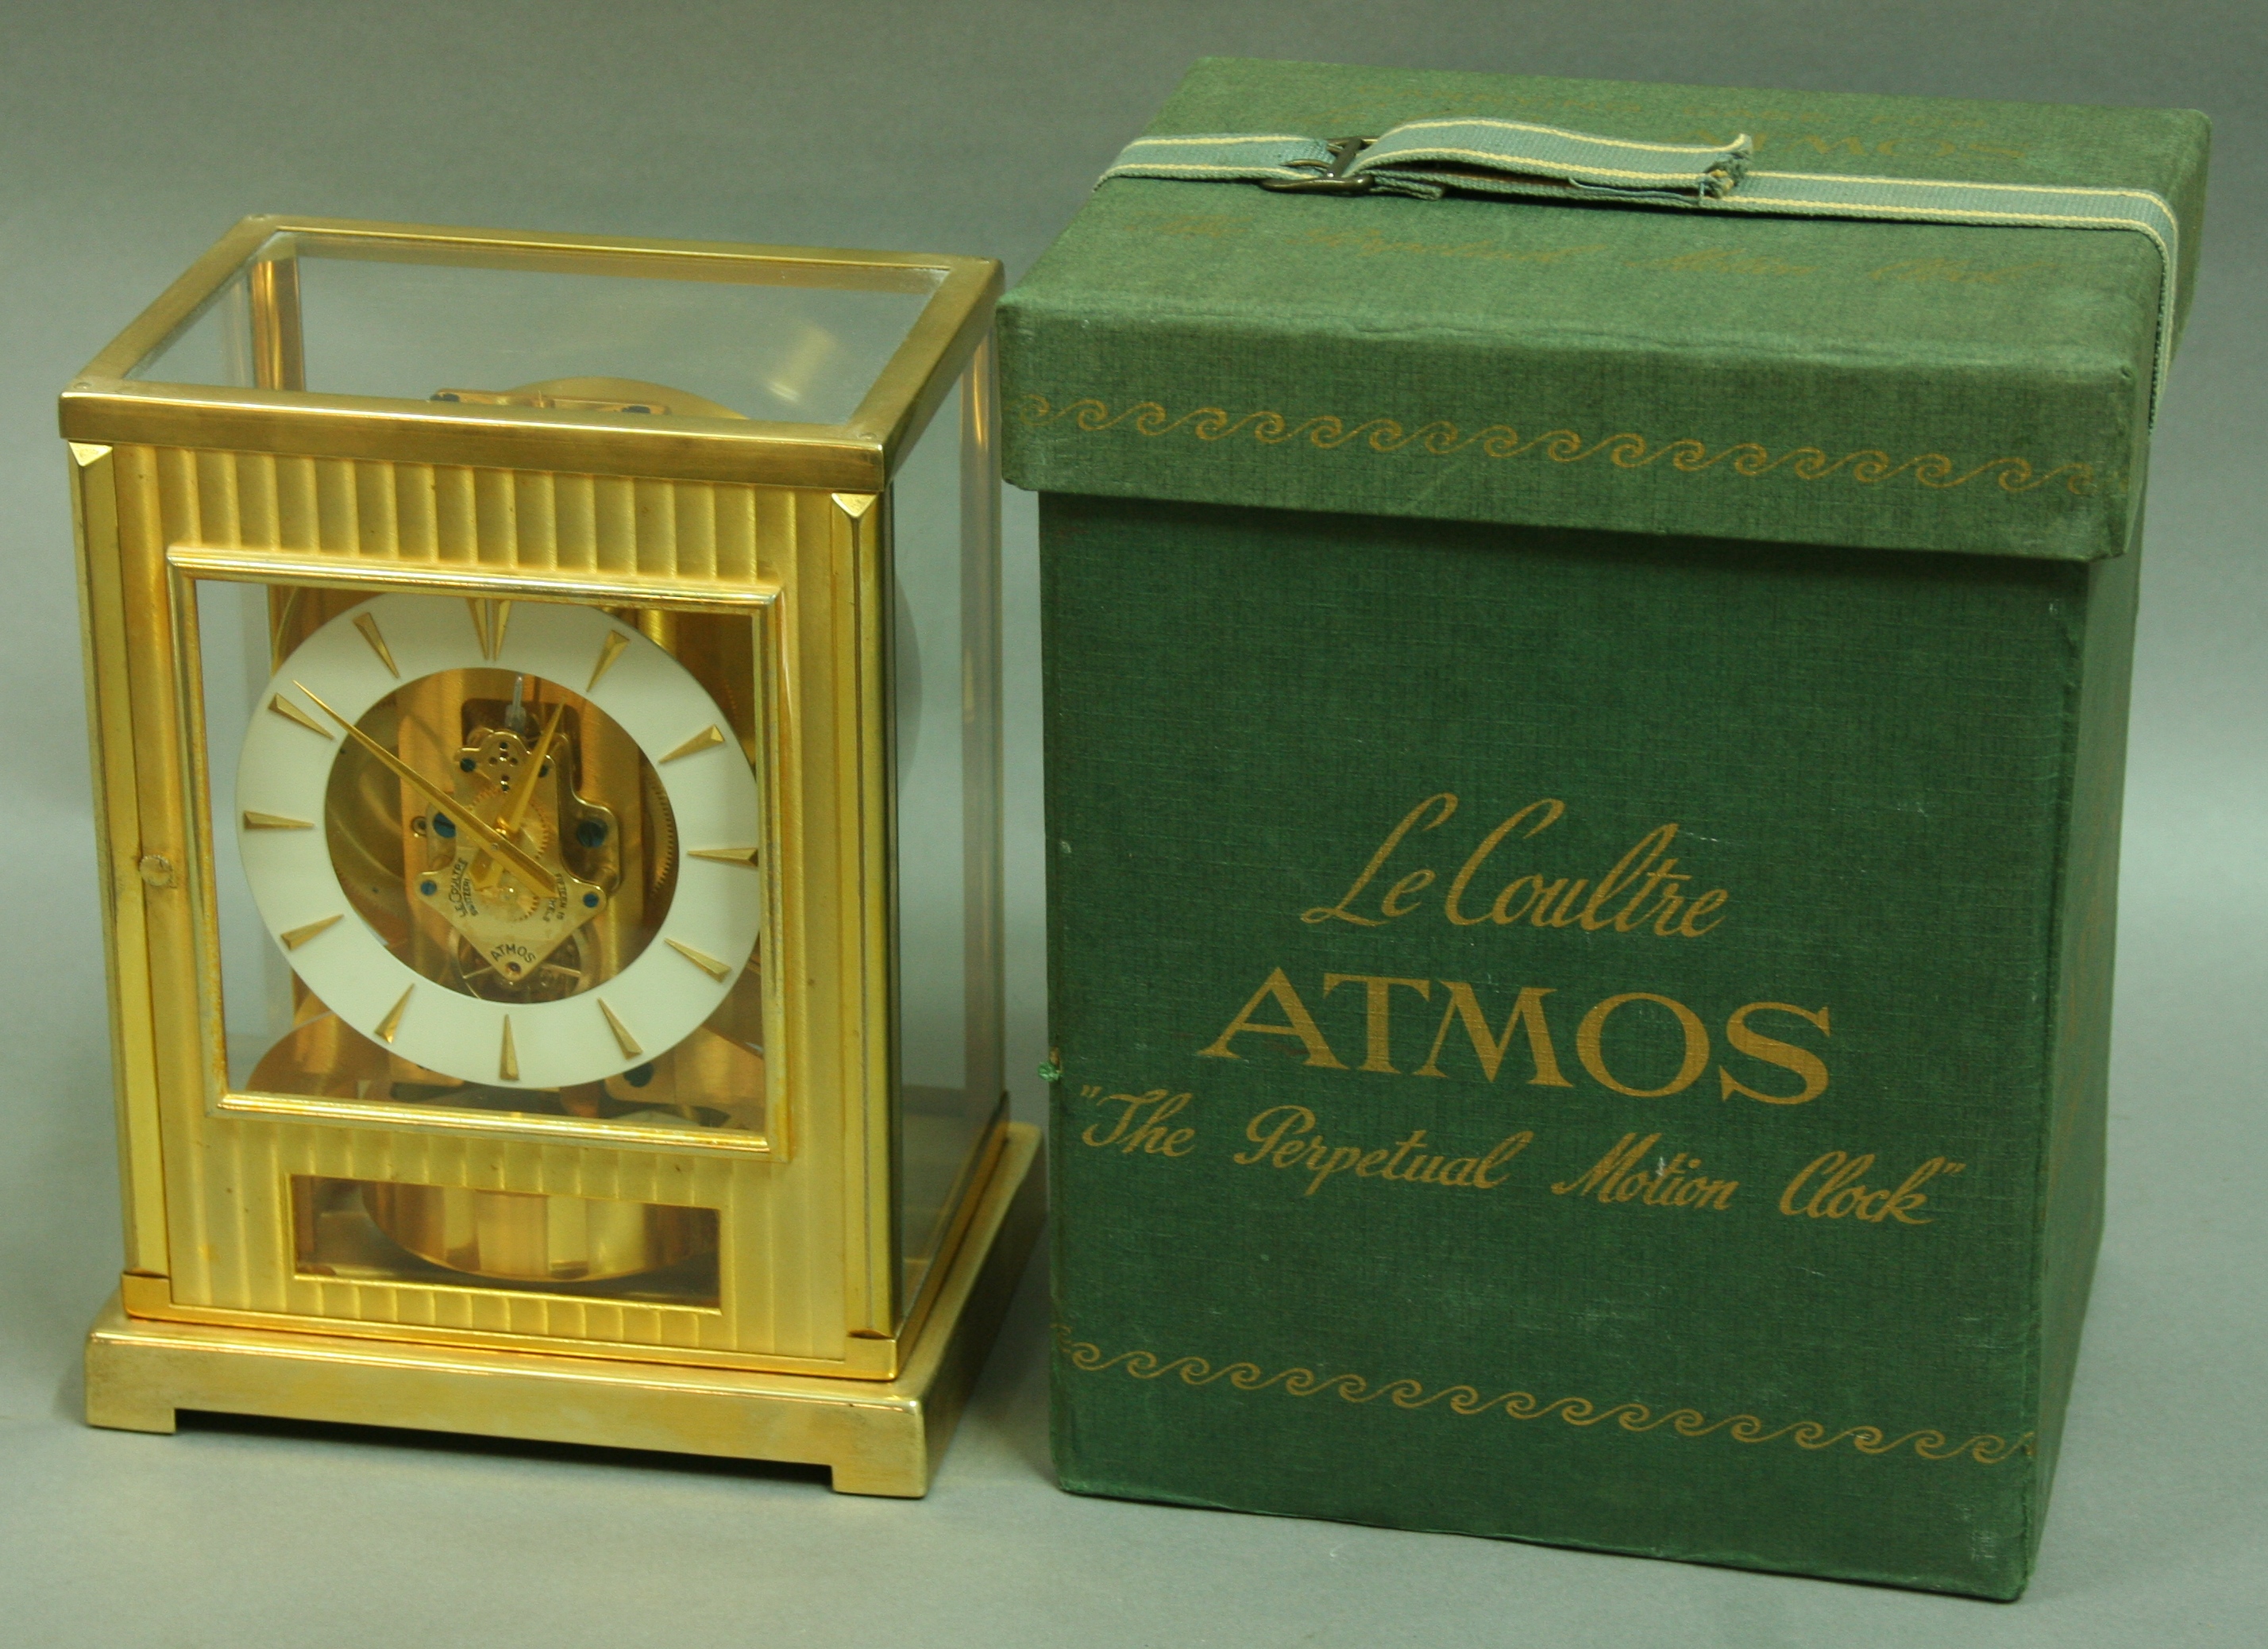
(877, 1437)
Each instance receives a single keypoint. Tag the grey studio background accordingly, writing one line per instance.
(131, 135)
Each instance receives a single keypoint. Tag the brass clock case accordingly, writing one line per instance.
(392, 1086)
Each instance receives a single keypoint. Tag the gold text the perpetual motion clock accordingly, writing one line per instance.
(545, 705)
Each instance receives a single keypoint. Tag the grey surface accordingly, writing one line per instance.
(131, 135)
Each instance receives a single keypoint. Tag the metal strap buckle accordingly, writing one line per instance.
(1344, 152)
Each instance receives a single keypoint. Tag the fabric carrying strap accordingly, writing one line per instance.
(1429, 158)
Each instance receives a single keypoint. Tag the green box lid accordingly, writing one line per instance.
(1635, 368)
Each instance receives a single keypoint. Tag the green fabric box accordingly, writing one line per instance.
(1584, 745)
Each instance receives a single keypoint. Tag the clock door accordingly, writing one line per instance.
(497, 892)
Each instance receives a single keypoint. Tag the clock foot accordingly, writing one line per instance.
(121, 1394)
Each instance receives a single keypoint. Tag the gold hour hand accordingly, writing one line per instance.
(489, 839)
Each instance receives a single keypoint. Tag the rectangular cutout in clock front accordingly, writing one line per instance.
(380, 1231)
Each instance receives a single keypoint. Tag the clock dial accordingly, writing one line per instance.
(497, 891)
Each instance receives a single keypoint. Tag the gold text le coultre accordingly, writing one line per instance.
(1643, 892)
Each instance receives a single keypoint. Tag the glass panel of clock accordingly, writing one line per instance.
(794, 342)
(947, 1014)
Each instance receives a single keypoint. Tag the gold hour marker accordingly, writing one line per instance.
(296, 936)
(508, 1061)
(608, 651)
(623, 1037)
(290, 711)
(701, 740)
(392, 1022)
(726, 856)
(702, 959)
(489, 621)
(273, 822)
(368, 625)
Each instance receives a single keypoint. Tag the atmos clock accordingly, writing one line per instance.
(545, 711)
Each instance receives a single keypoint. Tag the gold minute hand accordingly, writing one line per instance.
(519, 810)
(487, 839)
(509, 825)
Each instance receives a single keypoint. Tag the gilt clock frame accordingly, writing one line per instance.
(776, 523)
